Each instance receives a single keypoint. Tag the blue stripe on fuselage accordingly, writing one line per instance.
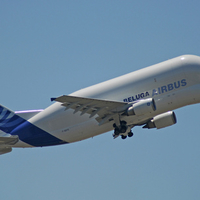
(35, 136)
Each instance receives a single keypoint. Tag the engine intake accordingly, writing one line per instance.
(142, 107)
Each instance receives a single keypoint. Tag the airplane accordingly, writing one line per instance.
(146, 98)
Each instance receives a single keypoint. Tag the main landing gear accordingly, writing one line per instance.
(122, 130)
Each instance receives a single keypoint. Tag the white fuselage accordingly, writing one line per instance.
(173, 84)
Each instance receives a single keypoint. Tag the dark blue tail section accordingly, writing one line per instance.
(27, 132)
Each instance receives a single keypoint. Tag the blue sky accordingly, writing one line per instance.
(50, 48)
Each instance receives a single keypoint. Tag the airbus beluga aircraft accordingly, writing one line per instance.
(146, 97)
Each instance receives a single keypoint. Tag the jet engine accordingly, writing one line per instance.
(142, 107)
(161, 121)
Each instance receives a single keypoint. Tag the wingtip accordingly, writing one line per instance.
(53, 99)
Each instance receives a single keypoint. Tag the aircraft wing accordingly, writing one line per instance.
(105, 109)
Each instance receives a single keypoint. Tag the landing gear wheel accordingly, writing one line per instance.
(123, 137)
(123, 129)
(123, 126)
(130, 134)
(116, 131)
(114, 125)
(123, 123)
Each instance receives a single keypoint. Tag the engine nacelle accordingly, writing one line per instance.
(142, 107)
(161, 121)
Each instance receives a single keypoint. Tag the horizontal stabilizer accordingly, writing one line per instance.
(9, 140)
(5, 143)
(5, 150)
